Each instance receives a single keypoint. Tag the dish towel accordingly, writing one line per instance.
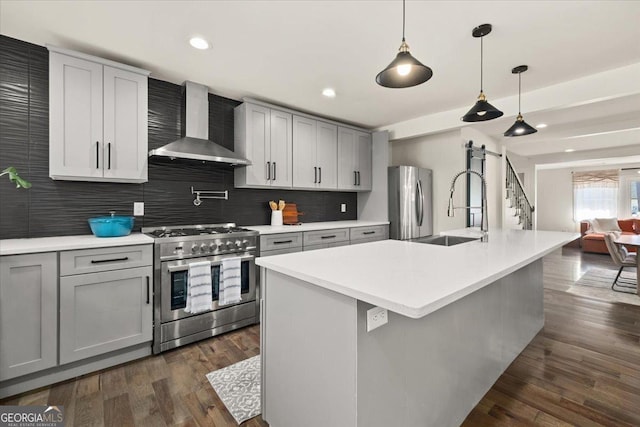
(199, 294)
(230, 281)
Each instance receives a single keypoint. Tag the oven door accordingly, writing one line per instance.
(174, 276)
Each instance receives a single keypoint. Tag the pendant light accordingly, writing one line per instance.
(520, 127)
(405, 70)
(482, 110)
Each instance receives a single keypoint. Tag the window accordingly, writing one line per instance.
(629, 191)
(595, 194)
(635, 191)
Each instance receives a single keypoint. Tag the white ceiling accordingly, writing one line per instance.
(286, 52)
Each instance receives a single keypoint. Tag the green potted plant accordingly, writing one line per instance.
(15, 178)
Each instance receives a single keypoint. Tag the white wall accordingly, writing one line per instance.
(373, 205)
(554, 201)
(445, 154)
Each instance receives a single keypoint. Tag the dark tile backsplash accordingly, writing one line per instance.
(57, 208)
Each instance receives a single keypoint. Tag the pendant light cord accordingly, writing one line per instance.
(481, 56)
(403, 17)
(519, 89)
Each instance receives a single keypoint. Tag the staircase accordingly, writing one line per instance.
(519, 211)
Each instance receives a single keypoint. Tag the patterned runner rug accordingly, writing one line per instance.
(238, 386)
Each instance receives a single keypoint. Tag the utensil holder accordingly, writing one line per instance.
(276, 218)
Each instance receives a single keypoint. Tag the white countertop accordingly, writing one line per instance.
(65, 243)
(311, 226)
(415, 279)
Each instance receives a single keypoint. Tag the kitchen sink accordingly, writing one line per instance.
(445, 240)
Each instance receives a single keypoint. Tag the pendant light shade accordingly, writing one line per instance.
(482, 110)
(404, 70)
(520, 127)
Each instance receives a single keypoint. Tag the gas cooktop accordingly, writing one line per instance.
(194, 230)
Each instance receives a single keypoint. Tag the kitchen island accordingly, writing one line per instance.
(457, 317)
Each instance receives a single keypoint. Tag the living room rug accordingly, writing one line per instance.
(238, 386)
(596, 283)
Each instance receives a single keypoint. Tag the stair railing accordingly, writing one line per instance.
(518, 198)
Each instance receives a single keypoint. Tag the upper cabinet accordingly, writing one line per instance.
(354, 159)
(315, 151)
(264, 136)
(288, 149)
(97, 119)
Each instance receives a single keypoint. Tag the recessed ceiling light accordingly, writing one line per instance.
(541, 125)
(569, 150)
(199, 43)
(329, 93)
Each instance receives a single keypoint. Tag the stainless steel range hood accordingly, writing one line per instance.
(196, 145)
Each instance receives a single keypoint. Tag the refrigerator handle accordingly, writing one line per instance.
(420, 204)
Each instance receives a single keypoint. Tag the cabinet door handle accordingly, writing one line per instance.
(319, 175)
(147, 289)
(100, 261)
(315, 175)
(355, 178)
(369, 232)
(332, 236)
(281, 242)
(97, 154)
(268, 171)
(109, 156)
(274, 171)
(358, 174)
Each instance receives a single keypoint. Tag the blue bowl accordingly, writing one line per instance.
(111, 226)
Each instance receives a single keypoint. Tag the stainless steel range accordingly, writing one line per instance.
(174, 249)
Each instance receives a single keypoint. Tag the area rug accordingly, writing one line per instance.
(596, 283)
(238, 386)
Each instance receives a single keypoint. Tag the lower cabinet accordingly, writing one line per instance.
(103, 312)
(28, 313)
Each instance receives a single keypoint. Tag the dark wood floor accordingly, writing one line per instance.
(582, 369)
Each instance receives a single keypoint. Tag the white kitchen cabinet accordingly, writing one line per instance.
(98, 119)
(314, 154)
(354, 159)
(264, 136)
(28, 314)
(108, 309)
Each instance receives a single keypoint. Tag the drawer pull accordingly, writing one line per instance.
(147, 289)
(369, 232)
(100, 261)
(332, 236)
(280, 242)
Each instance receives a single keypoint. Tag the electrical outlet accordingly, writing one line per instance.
(138, 208)
(376, 317)
(343, 207)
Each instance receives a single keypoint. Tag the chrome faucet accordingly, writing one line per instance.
(484, 224)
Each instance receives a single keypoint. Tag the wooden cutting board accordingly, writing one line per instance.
(290, 214)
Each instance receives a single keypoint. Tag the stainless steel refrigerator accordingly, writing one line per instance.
(410, 202)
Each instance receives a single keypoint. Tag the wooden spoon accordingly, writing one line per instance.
(281, 205)
(273, 205)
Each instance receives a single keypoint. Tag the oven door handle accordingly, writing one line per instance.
(185, 267)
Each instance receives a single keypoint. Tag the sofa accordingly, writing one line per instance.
(592, 241)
